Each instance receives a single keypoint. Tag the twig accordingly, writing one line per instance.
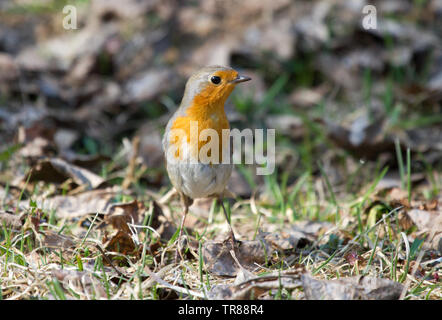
(109, 261)
(130, 173)
(155, 277)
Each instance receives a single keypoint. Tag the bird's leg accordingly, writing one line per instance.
(232, 234)
(185, 202)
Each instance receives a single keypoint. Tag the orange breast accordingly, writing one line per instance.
(207, 109)
(216, 121)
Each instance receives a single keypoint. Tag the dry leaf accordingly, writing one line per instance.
(393, 180)
(218, 259)
(365, 138)
(120, 241)
(295, 236)
(83, 160)
(284, 240)
(57, 171)
(147, 85)
(120, 214)
(52, 239)
(354, 288)
(429, 222)
(426, 220)
(312, 228)
(37, 148)
(252, 288)
(90, 202)
(84, 282)
(10, 220)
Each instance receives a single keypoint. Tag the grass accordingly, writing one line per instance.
(193, 276)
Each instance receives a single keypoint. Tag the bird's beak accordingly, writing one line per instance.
(240, 79)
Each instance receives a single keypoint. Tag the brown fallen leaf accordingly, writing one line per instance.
(10, 220)
(393, 180)
(370, 135)
(429, 222)
(426, 220)
(430, 205)
(83, 160)
(120, 214)
(404, 32)
(353, 288)
(298, 235)
(57, 170)
(120, 241)
(148, 85)
(254, 287)
(243, 274)
(219, 261)
(399, 196)
(312, 228)
(90, 202)
(285, 240)
(365, 138)
(52, 239)
(37, 148)
(404, 220)
(84, 282)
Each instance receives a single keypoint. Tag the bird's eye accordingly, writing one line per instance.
(215, 80)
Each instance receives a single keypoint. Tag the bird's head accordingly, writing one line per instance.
(211, 86)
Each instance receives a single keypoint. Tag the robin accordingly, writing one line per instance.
(202, 106)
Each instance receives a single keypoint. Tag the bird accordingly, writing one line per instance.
(205, 94)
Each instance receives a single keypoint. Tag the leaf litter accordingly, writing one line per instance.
(353, 288)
